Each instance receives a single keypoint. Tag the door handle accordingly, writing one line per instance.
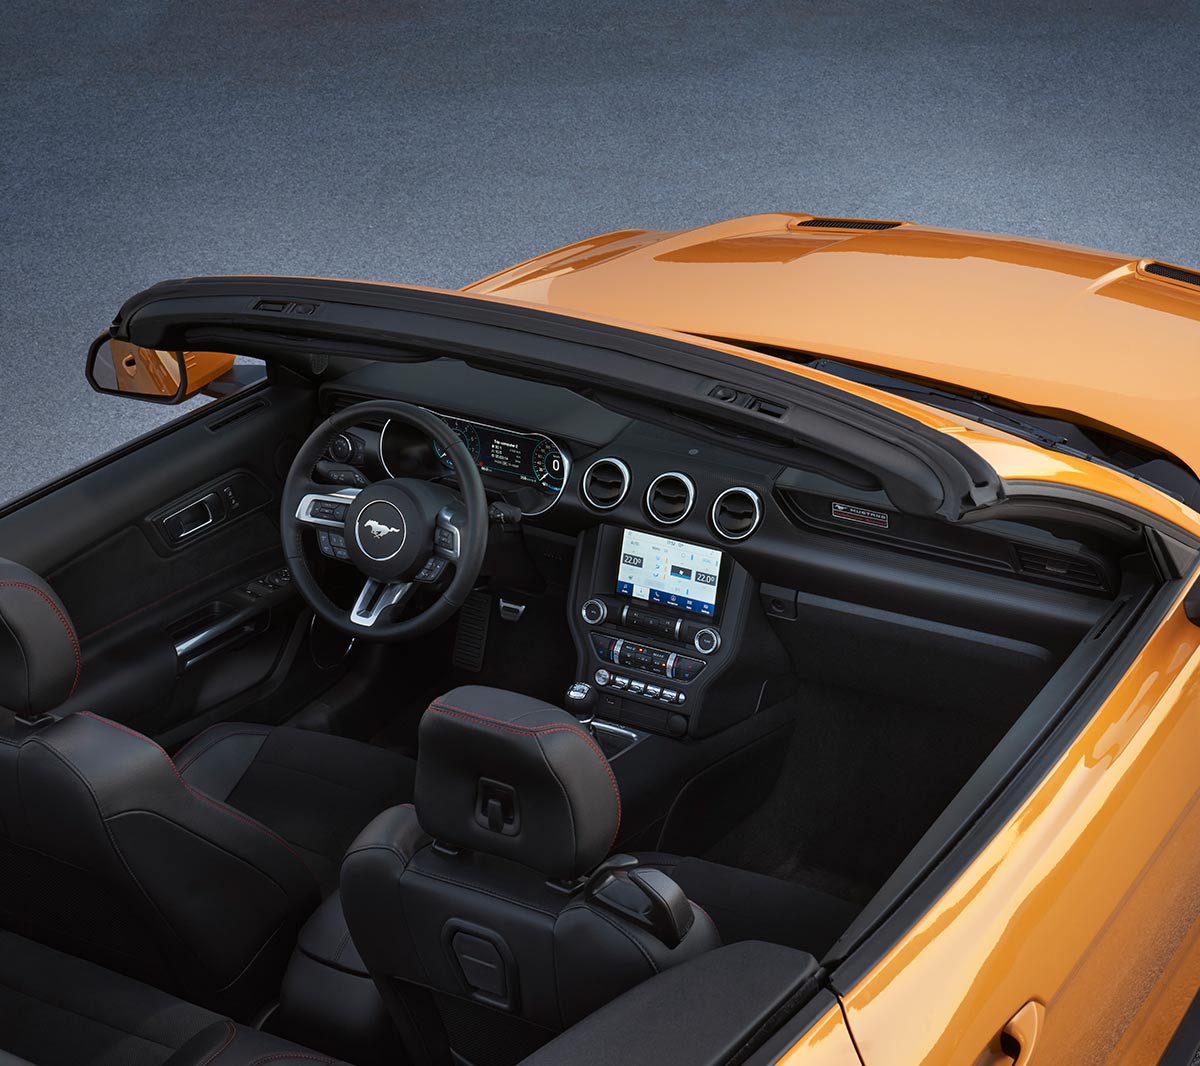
(1020, 1033)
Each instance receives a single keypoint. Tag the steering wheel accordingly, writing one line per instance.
(398, 533)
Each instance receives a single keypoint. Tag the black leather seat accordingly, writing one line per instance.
(196, 880)
(488, 905)
(56, 1010)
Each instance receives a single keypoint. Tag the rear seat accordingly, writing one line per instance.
(56, 1010)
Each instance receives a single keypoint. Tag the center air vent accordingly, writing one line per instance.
(1055, 566)
(605, 483)
(670, 497)
(736, 513)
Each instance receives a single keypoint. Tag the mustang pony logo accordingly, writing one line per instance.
(378, 529)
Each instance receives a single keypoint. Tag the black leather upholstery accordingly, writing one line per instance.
(227, 1044)
(315, 790)
(56, 1010)
(494, 911)
(39, 651)
(565, 805)
(110, 854)
(197, 881)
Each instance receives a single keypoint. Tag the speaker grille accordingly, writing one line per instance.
(670, 498)
(1055, 566)
(605, 483)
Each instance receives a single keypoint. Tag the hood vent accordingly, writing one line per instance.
(1057, 567)
(845, 223)
(1165, 270)
(737, 512)
(670, 497)
(605, 483)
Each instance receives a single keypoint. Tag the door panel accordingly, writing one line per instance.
(160, 557)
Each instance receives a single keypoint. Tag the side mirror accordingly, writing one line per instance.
(123, 369)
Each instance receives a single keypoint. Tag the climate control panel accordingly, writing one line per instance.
(637, 656)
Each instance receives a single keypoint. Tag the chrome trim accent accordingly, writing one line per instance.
(678, 627)
(616, 730)
(376, 598)
(716, 636)
(345, 496)
(447, 518)
(671, 666)
(603, 611)
(187, 506)
(758, 512)
(209, 633)
(620, 464)
(566, 456)
(691, 497)
(616, 652)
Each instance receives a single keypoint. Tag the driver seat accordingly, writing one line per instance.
(192, 875)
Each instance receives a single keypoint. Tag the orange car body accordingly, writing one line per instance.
(1077, 926)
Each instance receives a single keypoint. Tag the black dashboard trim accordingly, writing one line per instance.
(930, 472)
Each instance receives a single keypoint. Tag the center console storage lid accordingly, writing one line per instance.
(698, 1014)
(326, 938)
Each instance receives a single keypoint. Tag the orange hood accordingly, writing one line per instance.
(1068, 331)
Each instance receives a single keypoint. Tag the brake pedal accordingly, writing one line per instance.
(470, 639)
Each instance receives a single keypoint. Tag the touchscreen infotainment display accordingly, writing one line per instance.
(671, 572)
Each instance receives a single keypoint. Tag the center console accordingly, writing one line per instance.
(658, 623)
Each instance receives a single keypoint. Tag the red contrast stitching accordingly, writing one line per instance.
(61, 617)
(537, 731)
(230, 1033)
(196, 792)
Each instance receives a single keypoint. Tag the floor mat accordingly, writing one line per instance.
(863, 778)
(534, 656)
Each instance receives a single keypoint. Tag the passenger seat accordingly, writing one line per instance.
(56, 1010)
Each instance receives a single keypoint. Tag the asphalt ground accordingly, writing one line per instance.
(435, 143)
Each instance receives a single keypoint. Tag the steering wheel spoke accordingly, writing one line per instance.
(375, 598)
(320, 507)
(448, 530)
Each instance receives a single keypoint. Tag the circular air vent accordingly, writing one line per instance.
(605, 483)
(737, 512)
(670, 497)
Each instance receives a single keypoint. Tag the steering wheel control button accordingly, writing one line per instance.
(432, 570)
(594, 612)
(707, 641)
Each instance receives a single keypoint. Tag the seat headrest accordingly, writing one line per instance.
(39, 652)
(512, 776)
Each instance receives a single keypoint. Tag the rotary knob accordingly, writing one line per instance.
(341, 449)
(594, 612)
(707, 641)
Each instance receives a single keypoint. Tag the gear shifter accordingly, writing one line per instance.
(581, 702)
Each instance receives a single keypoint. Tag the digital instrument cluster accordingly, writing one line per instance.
(527, 457)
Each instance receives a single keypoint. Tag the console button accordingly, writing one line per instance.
(686, 669)
(654, 691)
(603, 677)
(669, 695)
(637, 687)
(620, 681)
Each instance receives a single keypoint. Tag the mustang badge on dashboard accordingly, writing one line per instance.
(378, 529)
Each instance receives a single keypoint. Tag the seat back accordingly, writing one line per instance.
(108, 854)
(489, 901)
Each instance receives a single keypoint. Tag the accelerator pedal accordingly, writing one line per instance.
(470, 639)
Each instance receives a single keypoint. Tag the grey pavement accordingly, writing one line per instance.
(434, 143)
